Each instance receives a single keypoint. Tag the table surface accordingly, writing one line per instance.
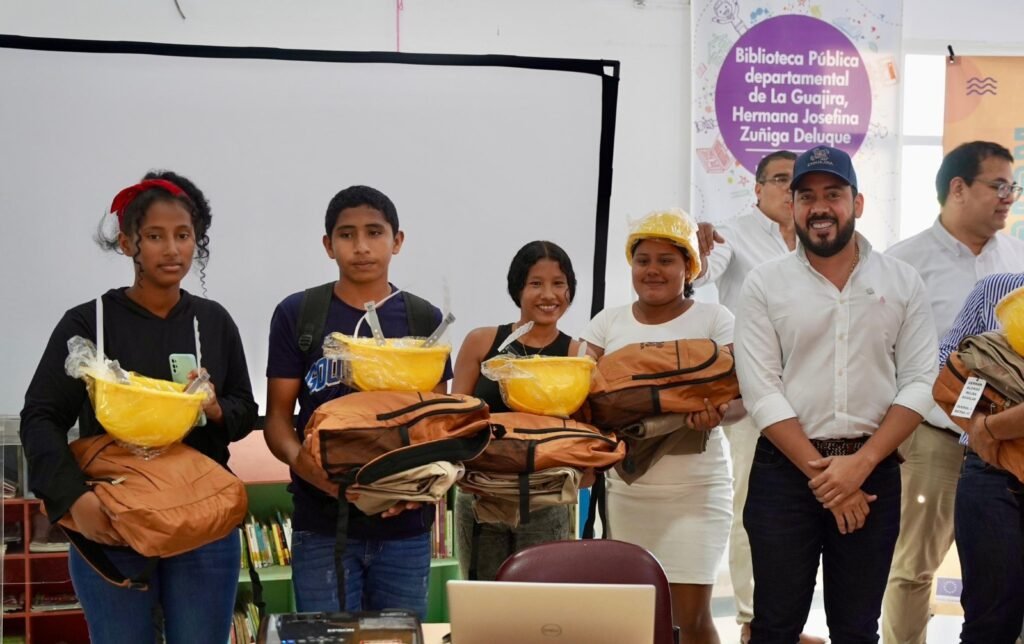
(432, 633)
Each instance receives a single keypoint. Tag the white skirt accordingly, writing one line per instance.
(680, 510)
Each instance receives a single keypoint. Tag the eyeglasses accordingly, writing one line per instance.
(780, 180)
(1003, 189)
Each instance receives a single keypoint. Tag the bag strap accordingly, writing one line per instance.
(598, 505)
(341, 535)
(316, 301)
(97, 558)
(313, 316)
(257, 585)
(419, 313)
(474, 552)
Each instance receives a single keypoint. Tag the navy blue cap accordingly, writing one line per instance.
(824, 159)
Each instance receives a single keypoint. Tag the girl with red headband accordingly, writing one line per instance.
(161, 225)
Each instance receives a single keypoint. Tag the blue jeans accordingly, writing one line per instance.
(196, 591)
(379, 574)
(989, 523)
(789, 531)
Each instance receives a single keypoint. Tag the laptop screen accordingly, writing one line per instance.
(495, 612)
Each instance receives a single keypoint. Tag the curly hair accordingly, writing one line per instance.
(194, 202)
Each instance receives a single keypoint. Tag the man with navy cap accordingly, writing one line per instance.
(836, 355)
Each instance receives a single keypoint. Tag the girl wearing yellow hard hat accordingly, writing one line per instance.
(681, 508)
(161, 225)
(541, 282)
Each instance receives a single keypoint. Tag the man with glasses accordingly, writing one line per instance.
(975, 191)
(765, 233)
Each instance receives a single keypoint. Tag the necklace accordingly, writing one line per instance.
(534, 351)
(856, 260)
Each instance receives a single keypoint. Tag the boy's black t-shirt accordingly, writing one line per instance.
(315, 510)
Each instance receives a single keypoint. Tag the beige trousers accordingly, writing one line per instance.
(742, 437)
(926, 532)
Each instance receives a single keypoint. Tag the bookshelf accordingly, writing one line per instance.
(28, 576)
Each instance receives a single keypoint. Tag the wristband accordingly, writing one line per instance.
(993, 436)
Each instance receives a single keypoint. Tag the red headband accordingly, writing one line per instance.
(128, 195)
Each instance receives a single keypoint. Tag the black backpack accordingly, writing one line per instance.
(317, 299)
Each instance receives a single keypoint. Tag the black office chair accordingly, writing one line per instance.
(596, 561)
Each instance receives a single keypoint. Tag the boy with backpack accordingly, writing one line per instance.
(386, 557)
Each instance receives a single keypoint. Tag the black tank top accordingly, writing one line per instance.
(487, 390)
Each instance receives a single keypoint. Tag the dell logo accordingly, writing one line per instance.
(551, 630)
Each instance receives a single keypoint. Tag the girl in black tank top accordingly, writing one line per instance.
(542, 284)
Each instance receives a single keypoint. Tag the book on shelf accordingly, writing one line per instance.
(245, 622)
(14, 603)
(49, 602)
(46, 536)
(268, 542)
(12, 535)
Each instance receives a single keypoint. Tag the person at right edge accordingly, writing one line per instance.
(974, 186)
(836, 356)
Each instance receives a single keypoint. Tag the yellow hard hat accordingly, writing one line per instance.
(400, 364)
(544, 385)
(1010, 313)
(673, 226)
(146, 412)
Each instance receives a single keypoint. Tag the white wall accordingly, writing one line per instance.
(650, 38)
(975, 27)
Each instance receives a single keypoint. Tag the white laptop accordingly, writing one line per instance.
(506, 612)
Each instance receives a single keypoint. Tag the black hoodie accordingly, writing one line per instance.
(141, 342)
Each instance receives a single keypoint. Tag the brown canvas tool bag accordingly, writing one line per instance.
(524, 445)
(654, 378)
(365, 436)
(950, 382)
(163, 506)
(988, 356)
(373, 434)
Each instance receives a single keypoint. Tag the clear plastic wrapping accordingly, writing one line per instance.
(545, 385)
(144, 414)
(400, 364)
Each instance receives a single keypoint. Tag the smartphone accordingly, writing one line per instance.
(183, 364)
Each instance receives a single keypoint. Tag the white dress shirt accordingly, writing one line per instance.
(834, 360)
(950, 270)
(750, 240)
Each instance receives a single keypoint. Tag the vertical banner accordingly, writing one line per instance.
(985, 101)
(789, 75)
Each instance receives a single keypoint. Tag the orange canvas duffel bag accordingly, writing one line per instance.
(162, 506)
(653, 378)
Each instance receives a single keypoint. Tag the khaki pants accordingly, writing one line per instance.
(742, 437)
(926, 532)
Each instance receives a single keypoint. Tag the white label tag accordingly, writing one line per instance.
(969, 398)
